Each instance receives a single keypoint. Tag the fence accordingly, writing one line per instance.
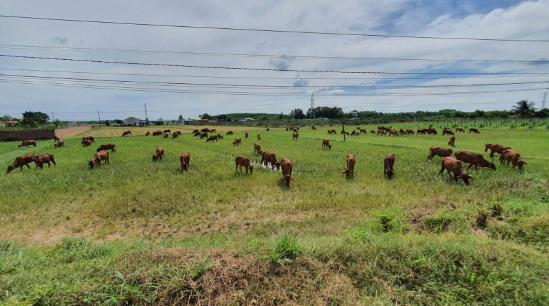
(42, 134)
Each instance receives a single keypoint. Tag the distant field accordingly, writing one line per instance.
(143, 232)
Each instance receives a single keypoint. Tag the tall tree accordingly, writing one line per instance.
(524, 108)
(34, 118)
(297, 114)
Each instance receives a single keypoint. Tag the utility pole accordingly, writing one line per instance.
(52, 118)
(544, 99)
(313, 106)
(99, 116)
(146, 114)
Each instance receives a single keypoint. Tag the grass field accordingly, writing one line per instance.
(143, 232)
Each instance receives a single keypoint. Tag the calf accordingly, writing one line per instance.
(452, 141)
(59, 143)
(257, 148)
(268, 158)
(26, 143)
(286, 166)
(41, 159)
(474, 159)
(437, 151)
(453, 166)
(86, 142)
(326, 144)
(474, 131)
(108, 146)
(243, 162)
(509, 156)
(237, 141)
(21, 161)
(98, 158)
(350, 161)
(127, 133)
(495, 148)
(388, 164)
(158, 154)
(295, 135)
(460, 130)
(185, 160)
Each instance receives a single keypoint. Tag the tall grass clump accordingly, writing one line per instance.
(286, 249)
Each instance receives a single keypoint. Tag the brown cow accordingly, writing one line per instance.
(495, 148)
(508, 156)
(452, 141)
(108, 146)
(268, 158)
(295, 135)
(158, 154)
(257, 148)
(237, 141)
(438, 151)
(388, 164)
(350, 170)
(90, 138)
(229, 133)
(41, 159)
(519, 163)
(447, 131)
(185, 160)
(474, 159)
(59, 143)
(157, 133)
(86, 142)
(243, 162)
(148, 133)
(474, 131)
(127, 133)
(453, 166)
(26, 143)
(98, 157)
(166, 131)
(287, 166)
(21, 161)
(326, 144)
(332, 132)
(460, 130)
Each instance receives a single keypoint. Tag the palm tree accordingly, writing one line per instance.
(524, 108)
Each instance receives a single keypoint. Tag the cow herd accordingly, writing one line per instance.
(452, 162)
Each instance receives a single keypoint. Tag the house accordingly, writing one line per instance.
(8, 123)
(246, 119)
(132, 121)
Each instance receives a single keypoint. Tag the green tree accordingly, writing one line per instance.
(180, 118)
(205, 116)
(524, 108)
(34, 118)
(297, 113)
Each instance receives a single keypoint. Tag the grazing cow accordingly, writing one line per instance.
(474, 159)
(90, 138)
(363, 131)
(127, 133)
(185, 161)
(460, 130)
(21, 161)
(98, 157)
(55, 138)
(350, 170)
(332, 132)
(453, 166)
(381, 132)
(205, 130)
(157, 133)
(41, 159)
(393, 133)
(204, 135)
(196, 131)
(166, 135)
(447, 131)
(108, 146)
(246, 135)
(326, 144)
(229, 133)
(243, 162)
(237, 141)
(519, 163)
(86, 142)
(59, 143)
(509, 156)
(295, 135)
(158, 154)
(213, 130)
(452, 141)
(258, 137)
(438, 151)
(286, 166)
(26, 143)
(175, 135)
(409, 132)
(495, 148)
(166, 131)
(268, 129)
(214, 138)
(148, 133)
(388, 164)
(372, 132)
(257, 148)
(474, 131)
(268, 158)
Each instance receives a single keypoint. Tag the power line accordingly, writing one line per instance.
(263, 69)
(263, 55)
(227, 85)
(224, 28)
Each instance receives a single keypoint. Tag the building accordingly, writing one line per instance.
(132, 121)
(8, 123)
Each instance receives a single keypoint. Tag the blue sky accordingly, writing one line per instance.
(75, 100)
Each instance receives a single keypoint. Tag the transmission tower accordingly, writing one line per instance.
(313, 106)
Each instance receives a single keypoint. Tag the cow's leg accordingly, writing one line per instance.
(470, 165)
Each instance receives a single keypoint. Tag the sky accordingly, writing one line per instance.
(78, 90)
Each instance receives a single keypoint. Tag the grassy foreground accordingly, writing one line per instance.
(141, 232)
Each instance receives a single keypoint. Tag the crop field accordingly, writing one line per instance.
(141, 232)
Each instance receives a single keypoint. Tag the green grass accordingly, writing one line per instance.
(143, 232)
